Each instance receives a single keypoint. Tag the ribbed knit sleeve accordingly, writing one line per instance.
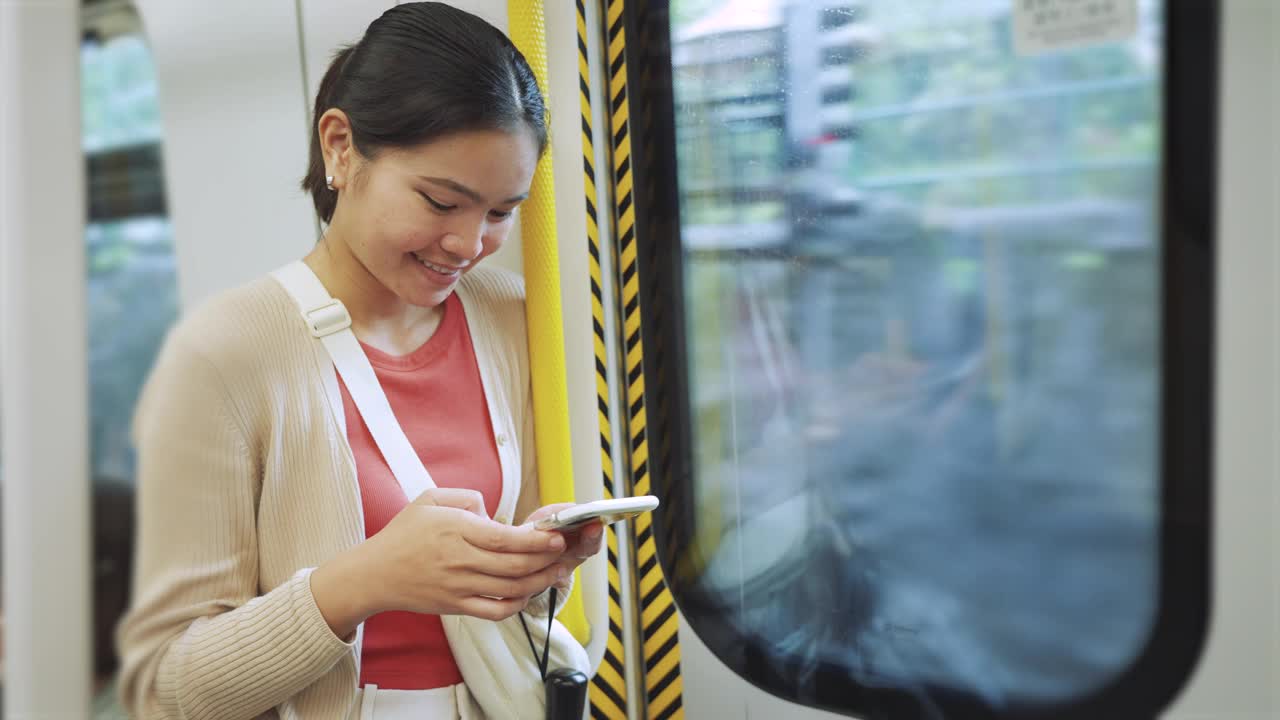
(201, 640)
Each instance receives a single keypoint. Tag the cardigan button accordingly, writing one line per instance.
(502, 440)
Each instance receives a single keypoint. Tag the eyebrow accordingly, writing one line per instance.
(472, 194)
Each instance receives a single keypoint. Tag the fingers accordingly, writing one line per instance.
(592, 540)
(586, 541)
(469, 500)
(512, 553)
(489, 608)
(583, 544)
(485, 534)
(508, 565)
(524, 587)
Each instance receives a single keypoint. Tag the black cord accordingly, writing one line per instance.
(546, 646)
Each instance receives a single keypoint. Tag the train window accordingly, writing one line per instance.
(940, 438)
(838, 16)
(131, 290)
(132, 281)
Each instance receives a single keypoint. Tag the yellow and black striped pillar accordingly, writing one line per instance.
(608, 693)
(660, 648)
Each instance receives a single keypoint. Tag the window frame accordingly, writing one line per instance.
(1186, 217)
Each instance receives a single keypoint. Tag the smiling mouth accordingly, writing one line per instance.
(442, 269)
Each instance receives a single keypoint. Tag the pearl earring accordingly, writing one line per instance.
(328, 181)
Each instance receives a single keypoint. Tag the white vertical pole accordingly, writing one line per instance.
(43, 364)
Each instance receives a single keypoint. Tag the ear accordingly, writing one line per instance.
(336, 146)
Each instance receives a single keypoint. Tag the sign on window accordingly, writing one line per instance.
(1046, 25)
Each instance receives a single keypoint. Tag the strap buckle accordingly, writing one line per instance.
(328, 319)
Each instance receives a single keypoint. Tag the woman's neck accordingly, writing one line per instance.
(378, 316)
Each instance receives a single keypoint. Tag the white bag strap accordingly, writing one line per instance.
(329, 322)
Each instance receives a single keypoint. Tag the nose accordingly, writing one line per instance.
(465, 240)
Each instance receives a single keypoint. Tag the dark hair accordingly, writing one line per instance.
(422, 71)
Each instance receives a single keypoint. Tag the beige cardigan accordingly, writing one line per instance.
(246, 482)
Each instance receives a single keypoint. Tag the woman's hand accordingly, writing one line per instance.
(580, 542)
(441, 555)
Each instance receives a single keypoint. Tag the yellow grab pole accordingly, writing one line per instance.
(543, 309)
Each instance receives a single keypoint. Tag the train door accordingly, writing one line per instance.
(928, 296)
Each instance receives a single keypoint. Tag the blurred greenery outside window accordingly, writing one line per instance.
(921, 287)
(132, 293)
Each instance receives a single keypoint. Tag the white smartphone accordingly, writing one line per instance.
(607, 511)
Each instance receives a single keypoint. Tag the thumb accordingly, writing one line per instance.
(469, 500)
(545, 511)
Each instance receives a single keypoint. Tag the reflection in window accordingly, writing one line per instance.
(131, 291)
(922, 303)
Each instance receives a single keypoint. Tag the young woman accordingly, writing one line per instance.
(281, 569)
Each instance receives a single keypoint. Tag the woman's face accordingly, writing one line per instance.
(418, 218)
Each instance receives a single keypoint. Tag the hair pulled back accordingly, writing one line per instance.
(422, 71)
